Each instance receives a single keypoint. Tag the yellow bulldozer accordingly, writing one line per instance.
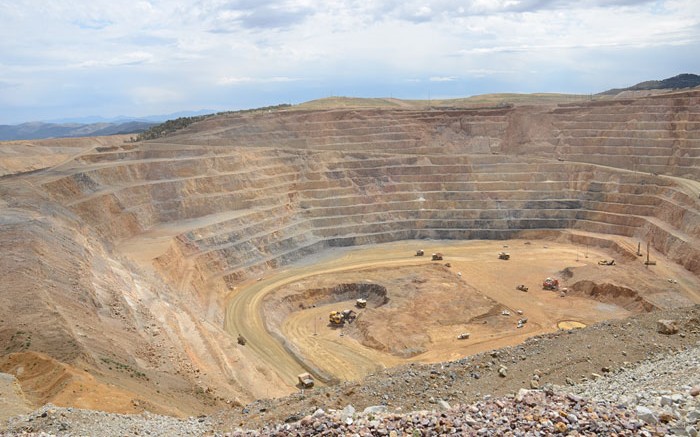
(338, 318)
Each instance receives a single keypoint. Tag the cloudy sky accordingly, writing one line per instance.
(71, 58)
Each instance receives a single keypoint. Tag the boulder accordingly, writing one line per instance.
(444, 404)
(646, 415)
(375, 409)
(530, 397)
(347, 412)
(667, 327)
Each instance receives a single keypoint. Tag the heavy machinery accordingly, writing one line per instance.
(521, 287)
(605, 262)
(437, 256)
(504, 255)
(550, 284)
(338, 318)
(361, 303)
(305, 380)
(420, 252)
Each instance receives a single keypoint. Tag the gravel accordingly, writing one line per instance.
(659, 390)
(580, 390)
(652, 398)
(52, 420)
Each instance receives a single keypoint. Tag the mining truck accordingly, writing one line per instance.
(521, 287)
(504, 255)
(437, 256)
(361, 303)
(306, 380)
(420, 252)
(550, 284)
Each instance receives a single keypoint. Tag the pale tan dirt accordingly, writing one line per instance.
(30, 155)
(419, 322)
(129, 270)
(12, 399)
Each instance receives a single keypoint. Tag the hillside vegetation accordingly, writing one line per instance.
(680, 81)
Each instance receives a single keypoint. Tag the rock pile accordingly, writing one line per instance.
(52, 420)
(530, 412)
(663, 391)
(659, 395)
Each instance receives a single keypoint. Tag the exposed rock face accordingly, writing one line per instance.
(131, 250)
(623, 296)
(249, 193)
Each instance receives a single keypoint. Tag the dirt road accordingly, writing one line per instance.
(474, 263)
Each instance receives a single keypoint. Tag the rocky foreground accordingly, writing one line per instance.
(637, 376)
(660, 396)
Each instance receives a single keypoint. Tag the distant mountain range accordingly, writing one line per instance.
(38, 129)
(88, 126)
(685, 80)
(99, 126)
(123, 118)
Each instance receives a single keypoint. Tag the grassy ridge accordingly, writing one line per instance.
(170, 126)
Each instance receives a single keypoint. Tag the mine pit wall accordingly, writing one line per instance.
(299, 192)
(184, 277)
(674, 247)
(659, 134)
(297, 202)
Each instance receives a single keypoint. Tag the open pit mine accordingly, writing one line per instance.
(213, 266)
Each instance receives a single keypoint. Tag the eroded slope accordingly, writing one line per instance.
(120, 260)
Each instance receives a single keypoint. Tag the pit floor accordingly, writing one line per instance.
(423, 325)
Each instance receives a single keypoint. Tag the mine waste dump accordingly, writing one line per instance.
(264, 254)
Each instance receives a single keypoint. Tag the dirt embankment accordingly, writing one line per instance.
(44, 379)
(608, 293)
(20, 157)
(277, 309)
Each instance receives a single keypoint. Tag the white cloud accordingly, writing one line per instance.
(232, 80)
(204, 48)
(443, 79)
(131, 58)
